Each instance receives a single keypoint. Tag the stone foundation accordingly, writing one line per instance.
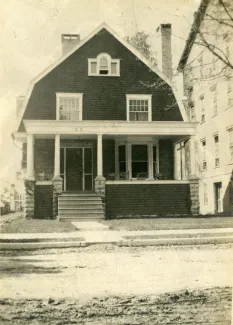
(100, 188)
(194, 195)
(29, 198)
(57, 190)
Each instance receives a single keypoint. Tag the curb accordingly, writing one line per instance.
(121, 243)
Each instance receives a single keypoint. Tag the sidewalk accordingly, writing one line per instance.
(120, 238)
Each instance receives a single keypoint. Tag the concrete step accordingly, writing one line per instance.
(71, 194)
(80, 198)
(80, 206)
(84, 202)
(79, 211)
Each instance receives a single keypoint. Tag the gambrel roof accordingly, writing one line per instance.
(79, 45)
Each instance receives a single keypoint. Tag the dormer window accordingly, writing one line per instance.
(104, 65)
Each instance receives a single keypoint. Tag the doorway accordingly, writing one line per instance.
(76, 165)
(218, 196)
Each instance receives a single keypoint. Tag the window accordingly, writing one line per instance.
(216, 143)
(215, 100)
(192, 113)
(69, 106)
(202, 108)
(230, 131)
(104, 65)
(138, 107)
(204, 163)
(139, 159)
(205, 190)
(122, 158)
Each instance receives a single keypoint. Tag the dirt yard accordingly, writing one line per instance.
(210, 306)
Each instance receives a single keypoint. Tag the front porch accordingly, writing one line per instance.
(117, 163)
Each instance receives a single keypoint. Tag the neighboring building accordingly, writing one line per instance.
(100, 130)
(208, 86)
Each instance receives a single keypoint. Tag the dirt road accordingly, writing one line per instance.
(130, 286)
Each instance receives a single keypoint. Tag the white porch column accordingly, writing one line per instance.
(192, 156)
(176, 156)
(99, 155)
(150, 160)
(129, 159)
(30, 156)
(57, 155)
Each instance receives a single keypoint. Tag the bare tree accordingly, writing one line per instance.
(140, 41)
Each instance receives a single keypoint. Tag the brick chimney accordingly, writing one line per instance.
(165, 60)
(19, 104)
(69, 41)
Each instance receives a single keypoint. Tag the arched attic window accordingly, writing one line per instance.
(104, 65)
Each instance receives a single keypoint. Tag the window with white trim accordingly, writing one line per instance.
(69, 106)
(138, 107)
(104, 65)
(215, 100)
(204, 163)
(230, 132)
(216, 150)
(202, 108)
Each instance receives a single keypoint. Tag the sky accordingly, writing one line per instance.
(30, 34)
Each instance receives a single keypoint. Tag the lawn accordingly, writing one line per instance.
(169, 223)
(37, 226)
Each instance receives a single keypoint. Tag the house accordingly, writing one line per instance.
(208, 86)
(100, 130)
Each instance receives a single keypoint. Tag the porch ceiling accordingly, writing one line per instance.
(110, 128)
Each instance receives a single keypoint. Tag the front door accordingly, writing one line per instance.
(218, 196)
(76, 169)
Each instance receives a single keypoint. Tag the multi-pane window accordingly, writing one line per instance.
(69, 106)
(202, 108)
(103, 65)
(204, 163)
(138, 107)
(205, 190)
(138, 110)
(215, 100)
(216, 150)
(230, 131)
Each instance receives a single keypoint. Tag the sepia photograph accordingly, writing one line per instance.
(116, 162)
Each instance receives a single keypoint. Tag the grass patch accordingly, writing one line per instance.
(37, 226)
(169, 223)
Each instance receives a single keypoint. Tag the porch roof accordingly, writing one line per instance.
(160, 128)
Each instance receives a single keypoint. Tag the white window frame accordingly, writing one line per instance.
(110, 61)
(139, 97)
(216, 151)
(78, 96)
(215, 99)
(128, 146)
(202, 108)
(204, 160)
